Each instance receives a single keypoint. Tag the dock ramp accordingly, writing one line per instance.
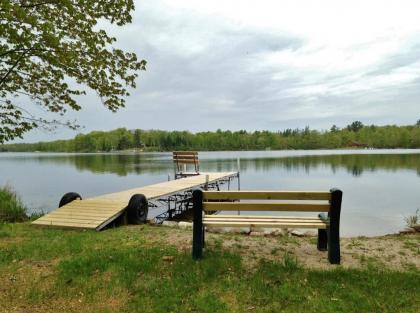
(97, 212)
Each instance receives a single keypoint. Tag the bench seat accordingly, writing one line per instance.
(264, 221)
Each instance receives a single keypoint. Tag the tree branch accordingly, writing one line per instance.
(3, 79)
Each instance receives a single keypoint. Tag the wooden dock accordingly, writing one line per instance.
(97, 212)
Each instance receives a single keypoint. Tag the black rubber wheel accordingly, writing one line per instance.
(137, 209)
(69, 197)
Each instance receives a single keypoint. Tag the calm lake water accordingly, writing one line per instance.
(380, 187)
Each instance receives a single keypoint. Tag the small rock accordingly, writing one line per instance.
(185, 225)
(168, 258)
(297, 233)
(152, 221)
(407, 230)
(256, 234)
(170, 223)
(216, 230)
(237, 230)
(310, 233)
(279, 232)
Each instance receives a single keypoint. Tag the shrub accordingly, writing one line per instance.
(11, 207)
(413, 219)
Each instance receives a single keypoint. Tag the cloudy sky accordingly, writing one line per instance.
(266, 65)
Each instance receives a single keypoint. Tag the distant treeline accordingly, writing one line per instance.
(354, 135)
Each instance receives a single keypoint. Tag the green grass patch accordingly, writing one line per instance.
(11, 207)
(128, 270)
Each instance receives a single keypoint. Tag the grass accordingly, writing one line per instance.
(127, 269)
(11, 206)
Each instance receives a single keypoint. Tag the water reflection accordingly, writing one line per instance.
(124, 164)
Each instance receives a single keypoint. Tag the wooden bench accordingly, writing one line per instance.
(327, 223)
(182, 159)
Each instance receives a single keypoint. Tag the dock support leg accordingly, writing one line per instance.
(198, 229)
(333, 230)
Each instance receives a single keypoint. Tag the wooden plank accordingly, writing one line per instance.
(79, 214)
(91, 207)
(186, 161)
(64, 224)
(267, 195)
(73, 220)
(84, 210)
(257, 216)
(187, 157)
(264, 206)
(268, 219)
(266, 224)
(184, 153)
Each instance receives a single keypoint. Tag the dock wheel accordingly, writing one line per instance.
(137, 209)
(69, 197)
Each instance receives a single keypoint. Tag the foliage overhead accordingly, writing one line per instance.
(51, 50)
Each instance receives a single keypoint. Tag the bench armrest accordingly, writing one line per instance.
(323, 216)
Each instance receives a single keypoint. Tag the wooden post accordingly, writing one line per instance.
(238, 164)
(198, 229)
(206, 186)
(333, 231)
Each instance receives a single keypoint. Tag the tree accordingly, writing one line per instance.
(51, 50)
(418, 123)
(355, 126)
(334, 129)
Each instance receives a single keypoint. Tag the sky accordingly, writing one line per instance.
(264, 65)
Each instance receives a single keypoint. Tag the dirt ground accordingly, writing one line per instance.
(397, 252)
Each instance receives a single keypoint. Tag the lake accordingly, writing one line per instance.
(380, 187)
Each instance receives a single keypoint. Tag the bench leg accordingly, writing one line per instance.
(322, 240)
(333, 246)
(198, 240)
(333, 230)
(198, 227)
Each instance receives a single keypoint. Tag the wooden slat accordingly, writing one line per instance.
(186, 157)
(64, 224)
(264, 206)
(256, 217)
(267, 195)
(266, 220)
(266, 224)
(79, 214)
(185, 153)
(87, 206)
(87, 210)
(92, 221)
(186, 161)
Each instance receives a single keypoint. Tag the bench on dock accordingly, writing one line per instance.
(184, 158)
(327, 223)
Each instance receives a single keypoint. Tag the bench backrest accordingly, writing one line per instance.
(183, 158)
(314, 201)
